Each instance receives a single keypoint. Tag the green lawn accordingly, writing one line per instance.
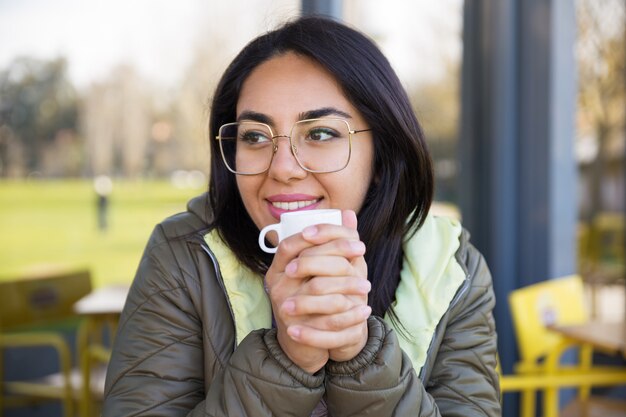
(53, 224)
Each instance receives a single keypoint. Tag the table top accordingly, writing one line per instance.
(105, 300)
(608, 337)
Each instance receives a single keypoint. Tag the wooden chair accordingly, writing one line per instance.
(534, 309)
(101, 311)
(30, 309)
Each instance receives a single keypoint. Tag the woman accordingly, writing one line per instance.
(388, 314)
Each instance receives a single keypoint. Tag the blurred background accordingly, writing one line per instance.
(120, 90)
(103, 111)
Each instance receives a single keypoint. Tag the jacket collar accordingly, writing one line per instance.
(430, 278)
(200, 207)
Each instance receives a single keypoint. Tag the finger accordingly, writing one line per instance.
(289, 249)
(360, 266)
(319, 265)
(326, 339)
(340, 321)
(348, 219)
(337, 285)
(303, 305)
(323, 233)
(340, 247)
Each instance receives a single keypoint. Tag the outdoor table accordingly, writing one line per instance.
(606, 337)
(100, 309)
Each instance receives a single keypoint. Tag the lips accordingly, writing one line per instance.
(283, 203)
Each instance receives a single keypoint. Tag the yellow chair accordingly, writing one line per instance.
(29, 309)
(533, 309)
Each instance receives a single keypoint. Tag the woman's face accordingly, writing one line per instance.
(282, 91)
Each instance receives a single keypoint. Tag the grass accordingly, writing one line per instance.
(48, 225)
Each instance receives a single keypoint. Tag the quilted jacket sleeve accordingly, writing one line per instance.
(157, 367)
(462, 381)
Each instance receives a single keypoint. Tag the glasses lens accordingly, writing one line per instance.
(322, 145)
(246, 147)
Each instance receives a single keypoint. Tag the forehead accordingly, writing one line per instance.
(289, 84)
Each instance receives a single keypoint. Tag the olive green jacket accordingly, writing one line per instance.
(176, 352)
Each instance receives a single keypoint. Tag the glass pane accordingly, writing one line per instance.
(422, 40)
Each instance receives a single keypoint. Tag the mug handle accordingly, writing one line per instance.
(275, 227)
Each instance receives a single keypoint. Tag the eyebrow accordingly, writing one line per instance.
(255, 116)
(309, 114)
(323, 112)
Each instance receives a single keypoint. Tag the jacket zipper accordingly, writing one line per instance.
(464, 287)
(220, 280)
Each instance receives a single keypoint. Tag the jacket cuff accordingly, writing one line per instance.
(375, 339)
(374, 382)
(310, 381)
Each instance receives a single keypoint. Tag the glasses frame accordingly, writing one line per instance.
(292, 147)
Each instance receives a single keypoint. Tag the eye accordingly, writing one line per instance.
(322, 134)
(253, 137)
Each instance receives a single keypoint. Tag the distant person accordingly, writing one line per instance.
(103, 186)
(389, 314)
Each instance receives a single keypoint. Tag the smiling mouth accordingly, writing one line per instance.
(294, 205)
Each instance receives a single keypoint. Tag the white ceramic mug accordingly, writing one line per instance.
(293, 222)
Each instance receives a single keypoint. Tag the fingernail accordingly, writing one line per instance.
(291, 267)
(309, 231)
(357, 246)
(364, 286)
(366, 311)
(294, 332)
(289, 306)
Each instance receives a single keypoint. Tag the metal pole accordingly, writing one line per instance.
(329, 8)
(517, 171)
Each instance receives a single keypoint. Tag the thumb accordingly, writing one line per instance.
(348, 219)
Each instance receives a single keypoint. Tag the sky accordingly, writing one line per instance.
(158, 37)
(97, 35)
(419, 37)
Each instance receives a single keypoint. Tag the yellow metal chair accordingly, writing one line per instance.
(29, 309)
(533, 309)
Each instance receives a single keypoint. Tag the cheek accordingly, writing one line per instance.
(362, 192)
(364, 171)
(350, 189)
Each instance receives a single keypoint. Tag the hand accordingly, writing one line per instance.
(342, 330)
(320, 296)
(280, 288)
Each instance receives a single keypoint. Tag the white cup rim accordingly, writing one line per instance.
(308, 212)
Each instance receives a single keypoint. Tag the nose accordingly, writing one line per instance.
(284, 166)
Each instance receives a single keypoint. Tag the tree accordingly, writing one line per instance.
(601, 98)
(36, 101)
(438, 108)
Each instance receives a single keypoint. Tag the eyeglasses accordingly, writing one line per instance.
(319, 145)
